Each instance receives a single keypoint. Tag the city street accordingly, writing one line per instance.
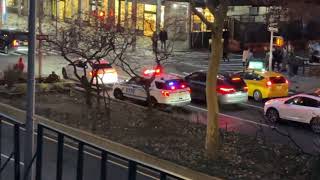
(245, 118)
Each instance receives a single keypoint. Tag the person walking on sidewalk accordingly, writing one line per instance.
(163, 36)
(154, 40)
(19, 66)
(225, 51)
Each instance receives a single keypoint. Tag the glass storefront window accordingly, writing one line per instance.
(150, 8)
(197, 24)
(11, 3)
(140, 14)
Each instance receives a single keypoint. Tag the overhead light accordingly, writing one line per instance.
(175, 5)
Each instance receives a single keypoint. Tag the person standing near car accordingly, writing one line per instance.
(154, 40)
(246, 55)
(163, 36)
(19, 66)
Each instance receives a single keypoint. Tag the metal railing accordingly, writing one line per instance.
(135, 161)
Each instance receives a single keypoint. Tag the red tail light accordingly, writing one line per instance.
(269, 84)
(189, 90)
(165, 93)
(245, 89)
(183, 86)
(287, 82)
(226, 90)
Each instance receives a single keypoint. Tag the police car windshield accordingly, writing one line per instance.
(171, 84)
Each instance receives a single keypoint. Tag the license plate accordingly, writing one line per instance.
(25, 43)
(279, 87)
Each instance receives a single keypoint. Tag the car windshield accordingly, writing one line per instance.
(234, 81)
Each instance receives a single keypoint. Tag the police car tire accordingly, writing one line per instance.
(257, 96)
(64, 74)
(117, 93)
(153, 101)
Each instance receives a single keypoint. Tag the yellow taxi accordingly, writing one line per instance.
(265, 84)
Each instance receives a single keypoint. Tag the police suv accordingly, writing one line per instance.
(165, 89)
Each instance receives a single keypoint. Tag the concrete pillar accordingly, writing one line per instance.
(126, 23)
(134, 23)
(111, 11)
(158, 16)
(25, 7)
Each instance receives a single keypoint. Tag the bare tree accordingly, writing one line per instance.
(86, 44)
(219, 10)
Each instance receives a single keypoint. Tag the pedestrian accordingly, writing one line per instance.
(225, 52)
(277, 57)
(52, 78)
(154, 40)
(19, 66)
(246, 55)
(163, 36)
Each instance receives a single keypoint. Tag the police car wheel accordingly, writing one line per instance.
(118, 94)
(64, 74)
(153, 102)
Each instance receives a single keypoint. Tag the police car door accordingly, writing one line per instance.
(133, 89)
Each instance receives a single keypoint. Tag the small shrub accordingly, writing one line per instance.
(11, 76)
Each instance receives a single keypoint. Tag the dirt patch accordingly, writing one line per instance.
(173, 138)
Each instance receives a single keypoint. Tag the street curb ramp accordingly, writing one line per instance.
(19, 115)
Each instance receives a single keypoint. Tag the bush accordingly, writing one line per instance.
(12, 76)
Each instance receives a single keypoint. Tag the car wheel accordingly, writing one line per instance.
(272, 115)
(153, 102)
(257, 96)
(6, 50)
(117, 93)
(315, 124)
(64, 74)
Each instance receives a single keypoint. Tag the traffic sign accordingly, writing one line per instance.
(273, 29)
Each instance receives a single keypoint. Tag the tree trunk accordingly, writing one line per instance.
(212, 138)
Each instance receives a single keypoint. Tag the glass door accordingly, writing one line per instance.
(149, 23)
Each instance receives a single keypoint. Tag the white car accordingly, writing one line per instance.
(165, 89)
(103, 70)
(304, 108)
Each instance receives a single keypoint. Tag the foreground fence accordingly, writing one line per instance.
(135, 164)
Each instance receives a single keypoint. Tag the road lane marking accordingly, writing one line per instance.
(234, 117)
(251, 105)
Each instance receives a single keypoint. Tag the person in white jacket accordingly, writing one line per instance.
(246, 55)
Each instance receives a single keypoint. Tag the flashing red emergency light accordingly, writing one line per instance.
(150, 72)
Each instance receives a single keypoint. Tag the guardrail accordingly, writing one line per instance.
(135, 159)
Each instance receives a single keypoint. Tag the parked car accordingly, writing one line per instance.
(265, 84)
(231, 89)
(165, 89)
(303, 108)
(314, 52)
(12, 40)
(104, 72)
